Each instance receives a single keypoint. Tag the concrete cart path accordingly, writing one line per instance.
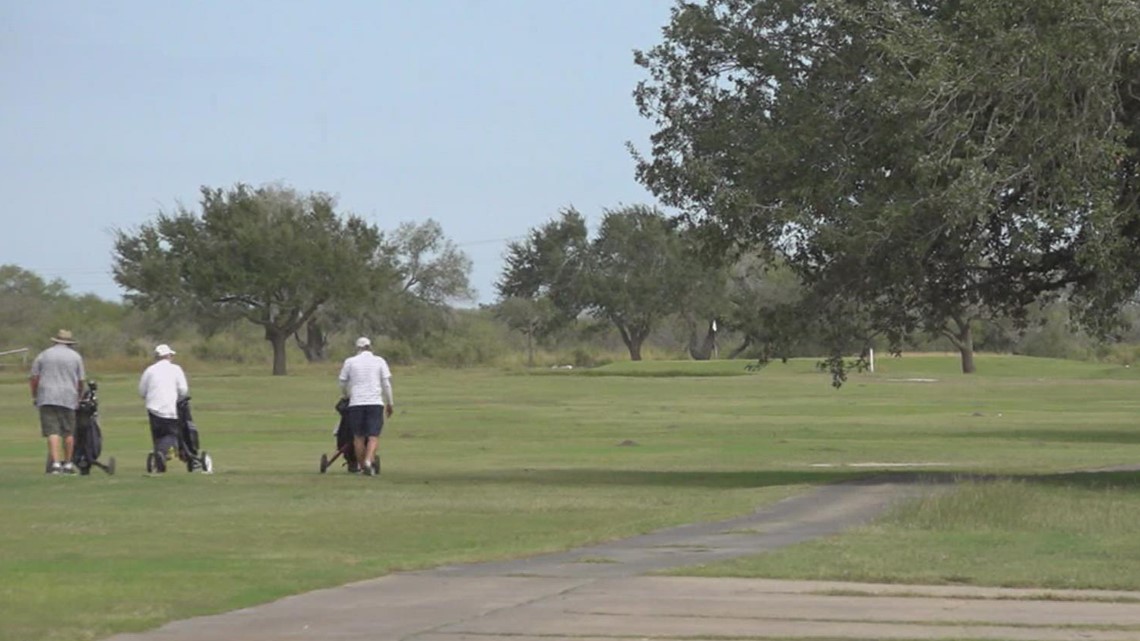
(602, 593)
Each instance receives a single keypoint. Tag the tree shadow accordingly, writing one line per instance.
(666, 478)
(1129, 437)
(1127, 479)
(1123, 478)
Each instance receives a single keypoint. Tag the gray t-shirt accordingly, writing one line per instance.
(60, 369)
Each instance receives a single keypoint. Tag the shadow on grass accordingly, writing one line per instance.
(660, 373)
(1061, 436)
(1093, 480)
(1124, 478)
(685, 478)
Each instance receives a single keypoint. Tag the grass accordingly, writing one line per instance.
(1061, 533)
(482, 465)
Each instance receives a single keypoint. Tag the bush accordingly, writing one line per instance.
(395, 352)
(467, 349)
(583, 357)
(1120, 354)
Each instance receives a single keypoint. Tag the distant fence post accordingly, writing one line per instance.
(23, 352)
(872, 359)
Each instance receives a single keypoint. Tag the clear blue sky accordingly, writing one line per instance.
(486, 115)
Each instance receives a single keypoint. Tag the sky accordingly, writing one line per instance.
(486, 115)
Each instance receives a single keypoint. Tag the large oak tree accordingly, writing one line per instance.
(636, 271)
(918, 164)
(266, 255)
(639, 273)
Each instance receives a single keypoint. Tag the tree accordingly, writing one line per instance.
(268, 255)
(549, 268)
(424, 272)
(918, 165)
(703, 300)
(28, 306)
(527, 316)
(432, 273)
(762, 302)
(638, 272)
(432, 268)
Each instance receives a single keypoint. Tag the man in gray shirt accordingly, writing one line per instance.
(57, 382)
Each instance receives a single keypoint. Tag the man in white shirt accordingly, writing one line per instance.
(162, 385)
(366, 382)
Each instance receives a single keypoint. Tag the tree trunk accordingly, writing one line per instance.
(634, 350)
(966, 347)
(743, 346)
(279, 340)
(962, 336)
(316, 343)
(530, 347)
(631, 339)
(703, 350)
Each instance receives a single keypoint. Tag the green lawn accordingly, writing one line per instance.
(487, 464)
(1068, 532)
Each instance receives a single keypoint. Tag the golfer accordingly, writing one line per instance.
(366, 382)
(161, 386)
(57, 381)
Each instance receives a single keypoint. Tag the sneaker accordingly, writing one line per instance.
(68, 468)
(368, 471)
(55, 468)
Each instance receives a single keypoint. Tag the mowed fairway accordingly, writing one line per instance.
(485, 464)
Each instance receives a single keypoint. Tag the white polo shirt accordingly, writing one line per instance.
(161, 385)
(366, 380)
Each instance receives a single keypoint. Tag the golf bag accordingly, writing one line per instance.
(89, 435)
(344, 444)
(183, 444)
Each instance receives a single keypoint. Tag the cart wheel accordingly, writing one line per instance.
(207, 464)
(84, 470)
(376, 464)
(47, 464)
(151, 460)
(324, 463)
(110, 469)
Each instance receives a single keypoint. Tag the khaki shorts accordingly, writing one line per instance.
(57, 421)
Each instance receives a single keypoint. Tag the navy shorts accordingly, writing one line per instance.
(163, 432)
(365, 420)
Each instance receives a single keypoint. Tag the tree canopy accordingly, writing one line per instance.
(548, 267)
(636, 271)
(423, 274)
(267, 255)
(918, 165)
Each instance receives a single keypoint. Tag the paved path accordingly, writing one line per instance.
(602, 593)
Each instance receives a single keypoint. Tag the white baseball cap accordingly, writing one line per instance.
(164, 350)
(363, 342)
